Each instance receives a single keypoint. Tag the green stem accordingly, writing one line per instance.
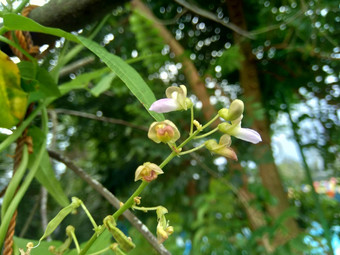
(75, 240)
(315, 195)
(144, 209)
(21, 6)
(126, 206)
(192, 120)
(94, 224)
(101, 251)
(142, 186)
(207, 134)
(192, 150)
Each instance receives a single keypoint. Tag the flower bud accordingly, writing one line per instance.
(164, 131)
(236, 109)
(148, 172)
(70, 230)
(222, 148)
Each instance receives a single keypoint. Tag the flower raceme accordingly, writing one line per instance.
(163, 131)
(148, 172)
(176, 99)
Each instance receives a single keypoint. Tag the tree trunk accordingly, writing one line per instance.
(252, 92)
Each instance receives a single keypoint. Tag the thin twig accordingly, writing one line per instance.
(102, 118)
(113, 200)
(43, 209)
(195, 9)
(76, 65)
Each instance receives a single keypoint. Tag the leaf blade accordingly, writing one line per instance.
(127, 74)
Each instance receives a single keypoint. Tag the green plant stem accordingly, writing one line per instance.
(192, 120)
(21, 6)
(315, 195)
(94, 224)
(144, 209)
(142, 186)
(207, 134)
(192, 150)
(101, 251)
(15, 181)
(75, 240)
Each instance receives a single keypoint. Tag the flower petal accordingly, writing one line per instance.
(248, 135)
(164, 105)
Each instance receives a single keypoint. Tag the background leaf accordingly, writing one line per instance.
(127, 74)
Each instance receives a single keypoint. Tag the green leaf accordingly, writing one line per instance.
(13, 100)
(45, 174)
(17, 22)
(28, 70)
(46, 177)
(103, 85)
(45, 86)
(127, 74)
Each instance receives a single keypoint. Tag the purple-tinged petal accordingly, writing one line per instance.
(164, 105)
(248, 135)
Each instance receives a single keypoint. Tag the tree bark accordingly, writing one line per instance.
(70, 15)
(252, 92)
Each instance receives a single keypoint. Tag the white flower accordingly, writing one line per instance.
(235, 129)
(176, 100)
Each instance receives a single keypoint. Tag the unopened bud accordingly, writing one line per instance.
(148, 172)
(164, 131)
(197, 125)
(137, 200)
(69, 230)
(236, 109)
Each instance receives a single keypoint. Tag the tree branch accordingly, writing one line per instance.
(113, 200)
(95, 117)
(201, 12)
(76, 65)
(70, 15)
